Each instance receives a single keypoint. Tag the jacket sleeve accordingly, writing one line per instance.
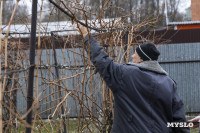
(178, 112)
(111, 72)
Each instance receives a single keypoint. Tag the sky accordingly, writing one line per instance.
(184, 4)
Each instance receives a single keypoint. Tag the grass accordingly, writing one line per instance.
(54, 127)
(72, 127)
(196, 130)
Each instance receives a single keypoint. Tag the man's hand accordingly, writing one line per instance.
(196, 119)
(83, 30)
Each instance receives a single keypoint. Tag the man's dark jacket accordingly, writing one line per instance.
(145, 98)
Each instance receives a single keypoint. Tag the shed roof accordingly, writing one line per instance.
(184, 23)
(23, 30)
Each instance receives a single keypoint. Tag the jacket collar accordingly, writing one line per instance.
(151, 66)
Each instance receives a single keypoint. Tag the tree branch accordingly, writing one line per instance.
(73, 17)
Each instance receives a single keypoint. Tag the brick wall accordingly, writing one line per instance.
(195, 10)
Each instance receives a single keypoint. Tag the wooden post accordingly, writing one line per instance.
(57, 77)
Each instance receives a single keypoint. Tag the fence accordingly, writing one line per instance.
(181, 61)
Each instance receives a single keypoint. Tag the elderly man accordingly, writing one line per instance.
(145, 97)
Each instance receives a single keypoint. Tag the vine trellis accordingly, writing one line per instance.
(66, 84)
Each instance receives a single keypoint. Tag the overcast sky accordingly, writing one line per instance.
(184, 4)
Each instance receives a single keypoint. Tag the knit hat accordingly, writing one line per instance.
(147, 51)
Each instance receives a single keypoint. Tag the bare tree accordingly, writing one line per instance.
(21, 14)
(174, 14)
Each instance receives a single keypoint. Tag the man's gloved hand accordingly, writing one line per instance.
(83, 30)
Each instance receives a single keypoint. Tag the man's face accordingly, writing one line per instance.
(136, 58)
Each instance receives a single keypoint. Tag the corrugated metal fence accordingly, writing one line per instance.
(181, 61)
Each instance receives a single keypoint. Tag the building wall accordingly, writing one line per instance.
(195, 9)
